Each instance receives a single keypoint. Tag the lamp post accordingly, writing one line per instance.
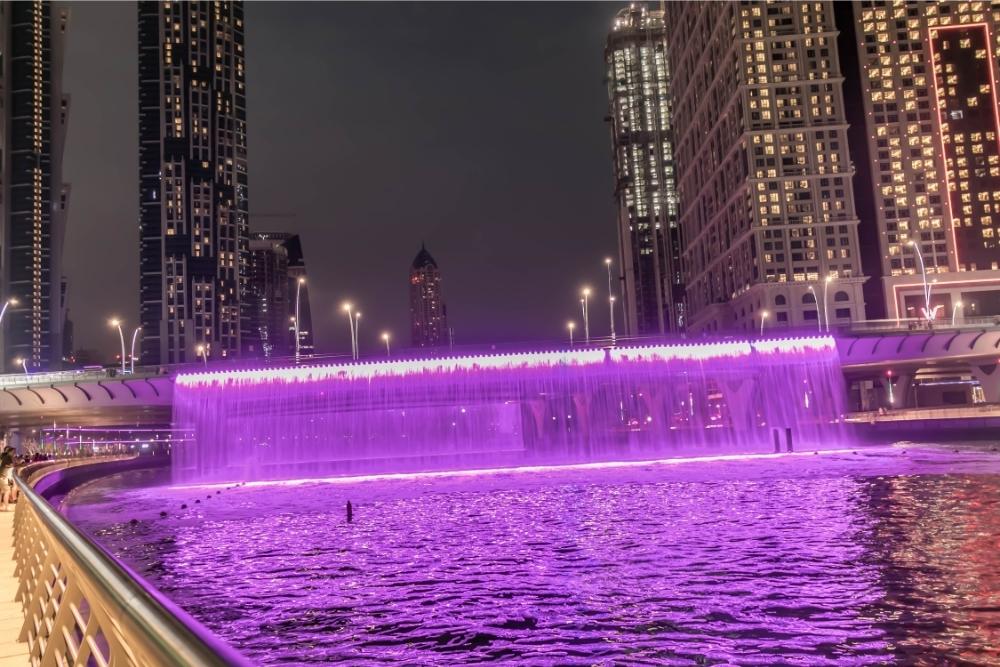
(203, 353)
(571, 325)
(954, 311)
(349, 309)
(115, 322)
(357, 325)
(385, 338)
(585, 305)
(23, 363)
(763, 318)
(298, 294)
(923, 273)
(826, 312)
(131, 354)
(9, 302)
(819, 318)
(611, 298)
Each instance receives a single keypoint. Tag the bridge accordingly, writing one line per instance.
(886, 364)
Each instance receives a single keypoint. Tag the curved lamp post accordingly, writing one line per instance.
(115, 322)
(298, 294)
(131, 355)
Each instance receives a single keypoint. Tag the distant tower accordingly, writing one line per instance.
(428, 314)
(268, 298)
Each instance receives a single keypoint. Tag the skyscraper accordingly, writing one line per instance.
(930, 97)
(268, 298)
(34, 207)
(277, 266)
(194, 234)
(428, 314)
(638, 79)
(767, 216)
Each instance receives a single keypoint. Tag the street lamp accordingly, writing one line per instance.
(131, 356)
(826, 312)
(954, 311)
(763, 318)
(115, 322)
(585, 305)
(385, 337)
(923, 273)
(349, 309)
(571, 325)
(203, 353)
(9, 302)
(298, 294)
(611, 299)
(819, 318)
(357, 325)
(23, 363)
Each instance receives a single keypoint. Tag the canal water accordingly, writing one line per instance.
(875, 556)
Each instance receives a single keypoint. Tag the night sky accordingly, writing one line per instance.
(475, 127)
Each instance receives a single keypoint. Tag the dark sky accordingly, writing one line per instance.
(476, 127)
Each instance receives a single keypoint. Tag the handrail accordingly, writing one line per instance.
(83, 607)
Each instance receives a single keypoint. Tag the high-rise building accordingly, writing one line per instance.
(638, 79)
(34, 203)
(768, 225)
(194, 234)
(930, 96)
(428, 314)
(268, 298)
(277, 285)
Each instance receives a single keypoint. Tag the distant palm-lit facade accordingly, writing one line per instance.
(33, 204)
(928, 74)
(638, 90)
(763, 172)
(194, 234)
(428, 314)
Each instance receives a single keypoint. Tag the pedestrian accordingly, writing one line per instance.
(6, 476)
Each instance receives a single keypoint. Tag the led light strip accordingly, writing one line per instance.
(373, 369)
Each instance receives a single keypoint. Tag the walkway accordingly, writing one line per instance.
(12, 652)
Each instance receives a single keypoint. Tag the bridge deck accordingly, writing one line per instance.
(12, 652)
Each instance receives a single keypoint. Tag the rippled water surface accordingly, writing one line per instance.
(884, 556)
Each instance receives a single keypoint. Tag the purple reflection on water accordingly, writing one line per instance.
(506, 410)
(880, 557)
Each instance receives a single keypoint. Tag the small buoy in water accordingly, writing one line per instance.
(163, 514)
(133, 522)
(815, 453)
(218, 492)
(197, 501)
(184, 506)
(350, 512)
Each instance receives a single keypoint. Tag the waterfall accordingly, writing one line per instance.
(562, 406)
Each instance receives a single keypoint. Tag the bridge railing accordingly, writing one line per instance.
(83, 608)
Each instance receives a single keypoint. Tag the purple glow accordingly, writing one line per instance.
(506, 410)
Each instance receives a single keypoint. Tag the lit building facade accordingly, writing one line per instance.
(428, 314)
(268, 298)
(767, 219)
(34, 198)
(194, 234)
(638, 79)
(277, 265)
(928, 73)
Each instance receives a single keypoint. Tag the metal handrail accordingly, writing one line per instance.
(83, 607)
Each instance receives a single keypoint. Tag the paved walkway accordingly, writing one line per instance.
(12, 652)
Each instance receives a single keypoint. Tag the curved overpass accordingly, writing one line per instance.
(85, 398)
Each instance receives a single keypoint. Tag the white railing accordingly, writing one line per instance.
(82, 607)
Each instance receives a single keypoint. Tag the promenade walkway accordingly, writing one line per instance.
(12, 652)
